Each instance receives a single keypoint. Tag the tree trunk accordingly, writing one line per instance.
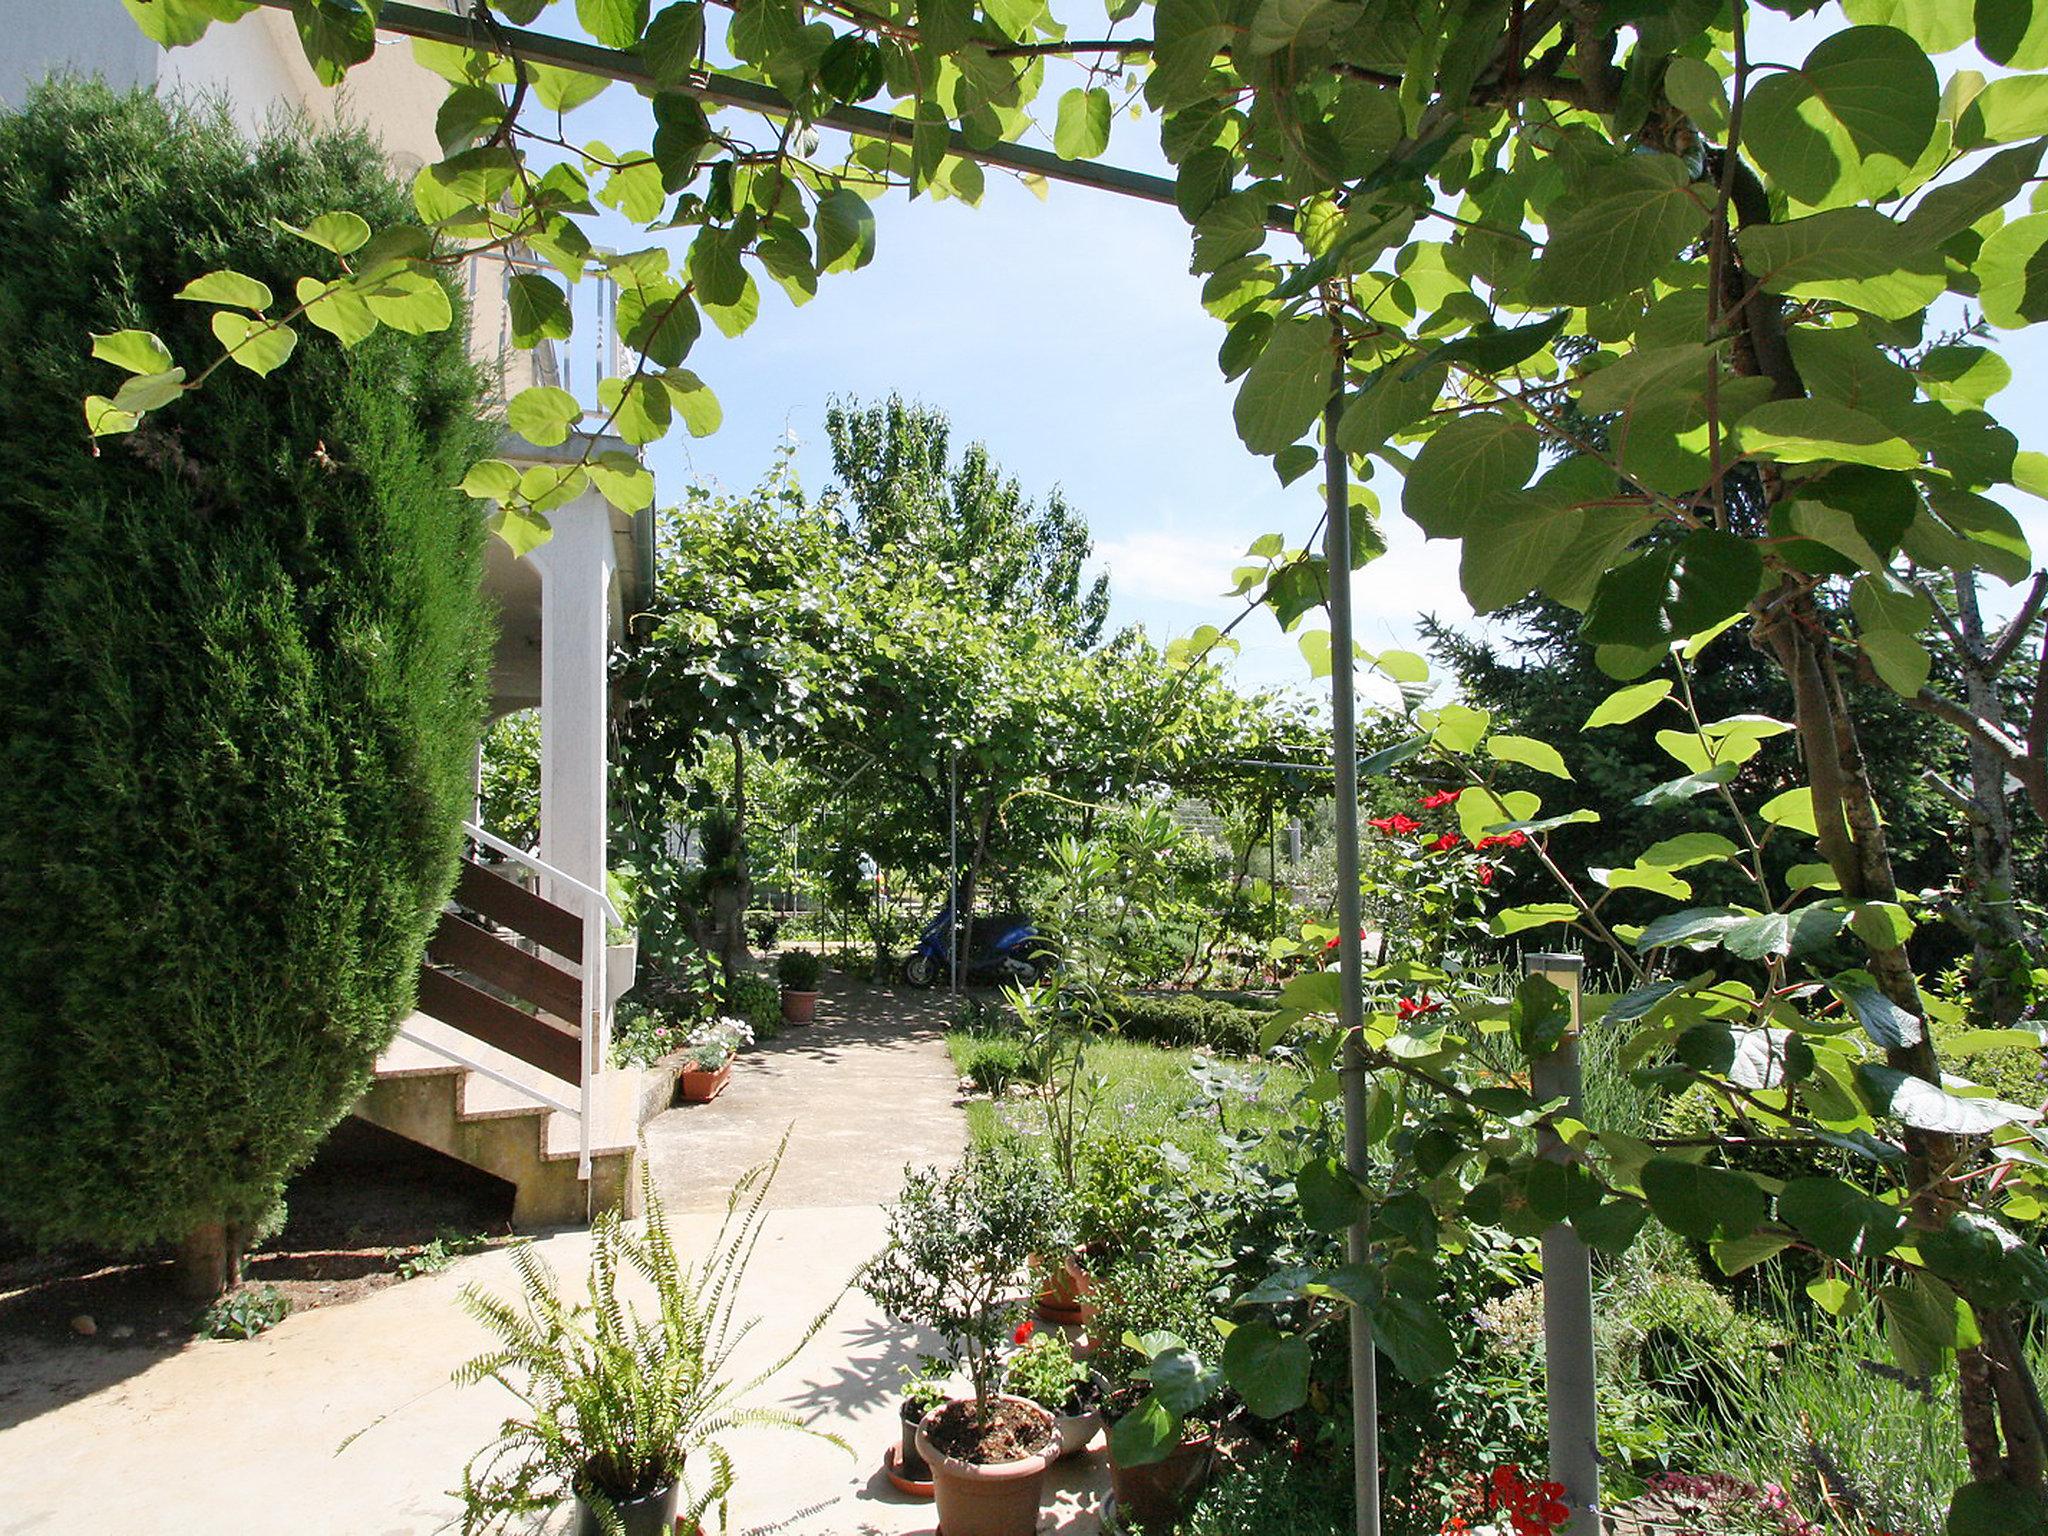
(210, 1260)
(1996, 1395)
(970, 881)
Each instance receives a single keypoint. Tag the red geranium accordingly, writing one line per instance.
(1396, 823)
(1486, 874)
(1024, 1331)
(1407, 1008)
(1504, 840)
(1442, 797)
(1445, 843)
(1533, 1509)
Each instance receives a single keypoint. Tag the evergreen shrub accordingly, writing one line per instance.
(243, 655)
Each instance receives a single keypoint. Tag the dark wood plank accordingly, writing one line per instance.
(462, 945)
(533, 1040)
(520, 910)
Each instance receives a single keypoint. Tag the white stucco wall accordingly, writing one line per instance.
(90, 37)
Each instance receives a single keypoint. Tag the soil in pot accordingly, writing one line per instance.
(988, 1479)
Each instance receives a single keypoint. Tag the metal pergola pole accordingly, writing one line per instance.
(1350, 949)
(1568, 1386)
(953, 867)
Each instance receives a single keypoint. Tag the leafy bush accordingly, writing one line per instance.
(993, 1064)
(246, 1312)
(1290, 1490)
(754, 998)
(763, 929)
(242, 662)
(799, 970)
(1204, 1023)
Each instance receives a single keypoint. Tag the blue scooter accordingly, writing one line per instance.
(1006, 949)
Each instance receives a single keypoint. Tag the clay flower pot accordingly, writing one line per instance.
(1063, 1289)
(1154, 1496)
(698, 1086)
(798, 1007)
(991, 1498)
(1077, 1430)
(908, 1471)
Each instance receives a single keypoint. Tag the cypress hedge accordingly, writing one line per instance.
(243, 657)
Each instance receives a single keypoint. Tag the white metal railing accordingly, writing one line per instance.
(593, 351)
(525, 1090)
(598, 915)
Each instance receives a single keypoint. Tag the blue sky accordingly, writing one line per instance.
(1068, 335)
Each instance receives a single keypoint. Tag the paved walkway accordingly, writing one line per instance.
(342, 1420)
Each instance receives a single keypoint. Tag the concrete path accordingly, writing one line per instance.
(342, 1421)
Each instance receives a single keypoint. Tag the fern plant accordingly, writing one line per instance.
(621, 1404)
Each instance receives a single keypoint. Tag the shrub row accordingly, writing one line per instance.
(1227, 1025)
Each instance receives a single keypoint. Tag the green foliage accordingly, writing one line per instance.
(957, 1240)
(1045, 1371)
(755, 999)
(245, 1312)
(621, 1403)
(1302, 1494)
(511, 788)
(1226, 1025)
(799, 969)
(993, 1065)
(241, 672)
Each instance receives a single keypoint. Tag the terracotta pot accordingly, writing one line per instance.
(1153, 1497)
(1063, 1289)
(700, 1087)
(653, 1515)
(797, 1007)
(1000, 1499)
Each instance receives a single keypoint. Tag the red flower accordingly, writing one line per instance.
(1396, 823)
(1485, 874)
(1024, 1331)
(1407, 1008)
(1505, 840)
(1333, 943)
(1445, 843)
(1442, 797)
(1533, 1509)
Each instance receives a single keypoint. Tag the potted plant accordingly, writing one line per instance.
(1162, 1447)
(1045, 1371)
(798, 970)
(959, 1244)
(707, 1055)
(924, 1388)
(619, 1410)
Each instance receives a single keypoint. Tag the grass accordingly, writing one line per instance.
(1151, 1094)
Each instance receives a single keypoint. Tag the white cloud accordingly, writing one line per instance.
(1149, 566)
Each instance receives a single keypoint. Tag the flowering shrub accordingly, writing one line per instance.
(1513, 1506)
(711, 1045)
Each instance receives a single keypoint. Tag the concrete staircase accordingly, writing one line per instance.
(487, 1071)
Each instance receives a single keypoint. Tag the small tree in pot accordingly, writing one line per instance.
(960, 1242)
(798, 971)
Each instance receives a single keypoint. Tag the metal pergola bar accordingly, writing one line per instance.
(628, 68)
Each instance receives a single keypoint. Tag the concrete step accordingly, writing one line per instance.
(508, 1121)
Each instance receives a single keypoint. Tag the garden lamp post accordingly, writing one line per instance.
(1567, 1275)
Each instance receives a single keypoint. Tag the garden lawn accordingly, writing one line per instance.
(1150, 1094)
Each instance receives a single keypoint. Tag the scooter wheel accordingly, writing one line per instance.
(919, 971)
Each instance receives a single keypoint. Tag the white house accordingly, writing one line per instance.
(525, 1092)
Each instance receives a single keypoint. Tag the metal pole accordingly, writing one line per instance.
(1567, 1279)
(953, 868)
(1365, 1415)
